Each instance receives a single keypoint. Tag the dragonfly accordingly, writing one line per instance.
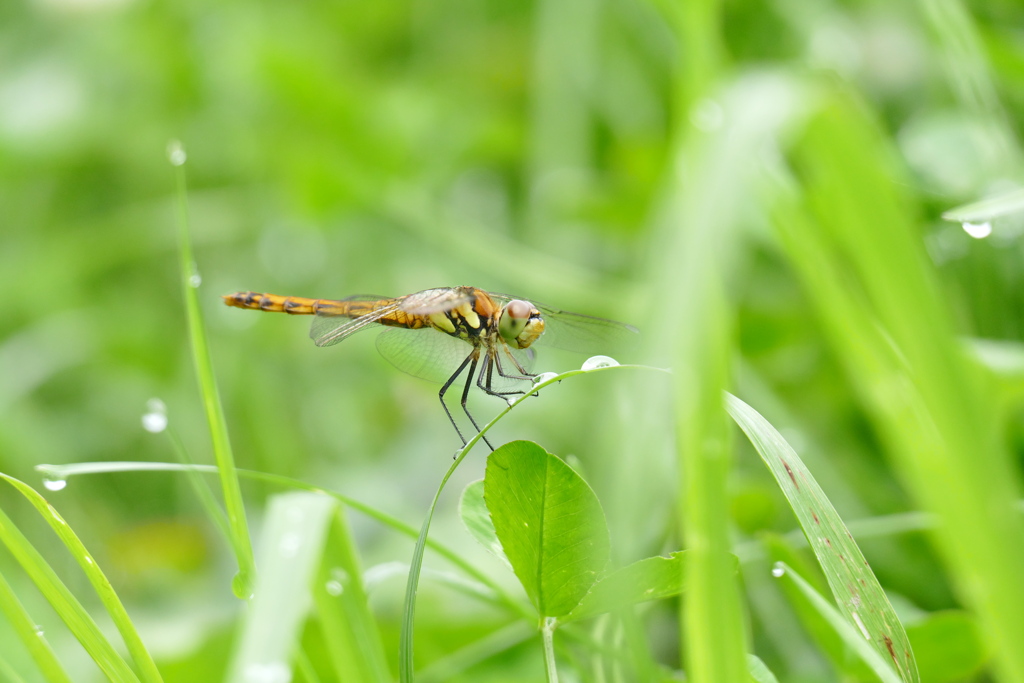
(443, 333)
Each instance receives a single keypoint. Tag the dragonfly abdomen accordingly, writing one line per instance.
(293, 305)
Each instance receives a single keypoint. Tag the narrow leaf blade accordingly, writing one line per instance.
(858, 593)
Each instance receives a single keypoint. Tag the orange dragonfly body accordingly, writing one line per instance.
(438, 334)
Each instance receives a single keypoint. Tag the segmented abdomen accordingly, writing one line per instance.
(298, 305)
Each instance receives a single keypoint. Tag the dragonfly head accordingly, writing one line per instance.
(520, 323)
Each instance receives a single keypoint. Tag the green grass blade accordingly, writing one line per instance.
(340, 600)
(708, 182)
(111, 602)
(406, 663)
(71, 612)
(240, 540)
(291, 547)
(759, 671)
(864, 266)
(24, 626)
(853, 637)
(63, 472)
(550, 524)
(856, 590)
(7, 672)
(988, 209)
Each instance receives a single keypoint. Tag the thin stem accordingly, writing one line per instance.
(548, 634)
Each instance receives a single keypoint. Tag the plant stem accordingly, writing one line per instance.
(548, 634)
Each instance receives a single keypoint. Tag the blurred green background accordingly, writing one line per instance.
(339, 148)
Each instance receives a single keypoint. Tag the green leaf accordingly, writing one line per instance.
(477, 520)
(652, 578)
(550, 525)
(856, 590)
(949, 646)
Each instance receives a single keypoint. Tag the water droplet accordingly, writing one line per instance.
(511, 400)
(544, 377)
(54, 484)
(334, 588)
(195, 280)
(176, 153)
(241, 586)
(778, 570)
(271, 672)
(595, 362)
(978, 230)
(89, 560)
(39, 630)
(154, 422)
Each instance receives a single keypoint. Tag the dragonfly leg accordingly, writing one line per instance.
(484, 378)
(440, 395)
(525, 374)
(465, 393)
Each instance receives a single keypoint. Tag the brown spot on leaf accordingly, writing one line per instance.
(888, 645)
(790, 473)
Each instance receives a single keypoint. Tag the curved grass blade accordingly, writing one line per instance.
(759, 672)
(111, 602)
(74, 615)
(858, 593)
(988, 209)
(854, 634)
(41, 652)
(240, 540)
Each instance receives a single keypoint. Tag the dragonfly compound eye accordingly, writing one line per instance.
(520, 323)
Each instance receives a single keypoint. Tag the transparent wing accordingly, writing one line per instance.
(329, 329)
(437, 300)
(581, 333)
(435, 356)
